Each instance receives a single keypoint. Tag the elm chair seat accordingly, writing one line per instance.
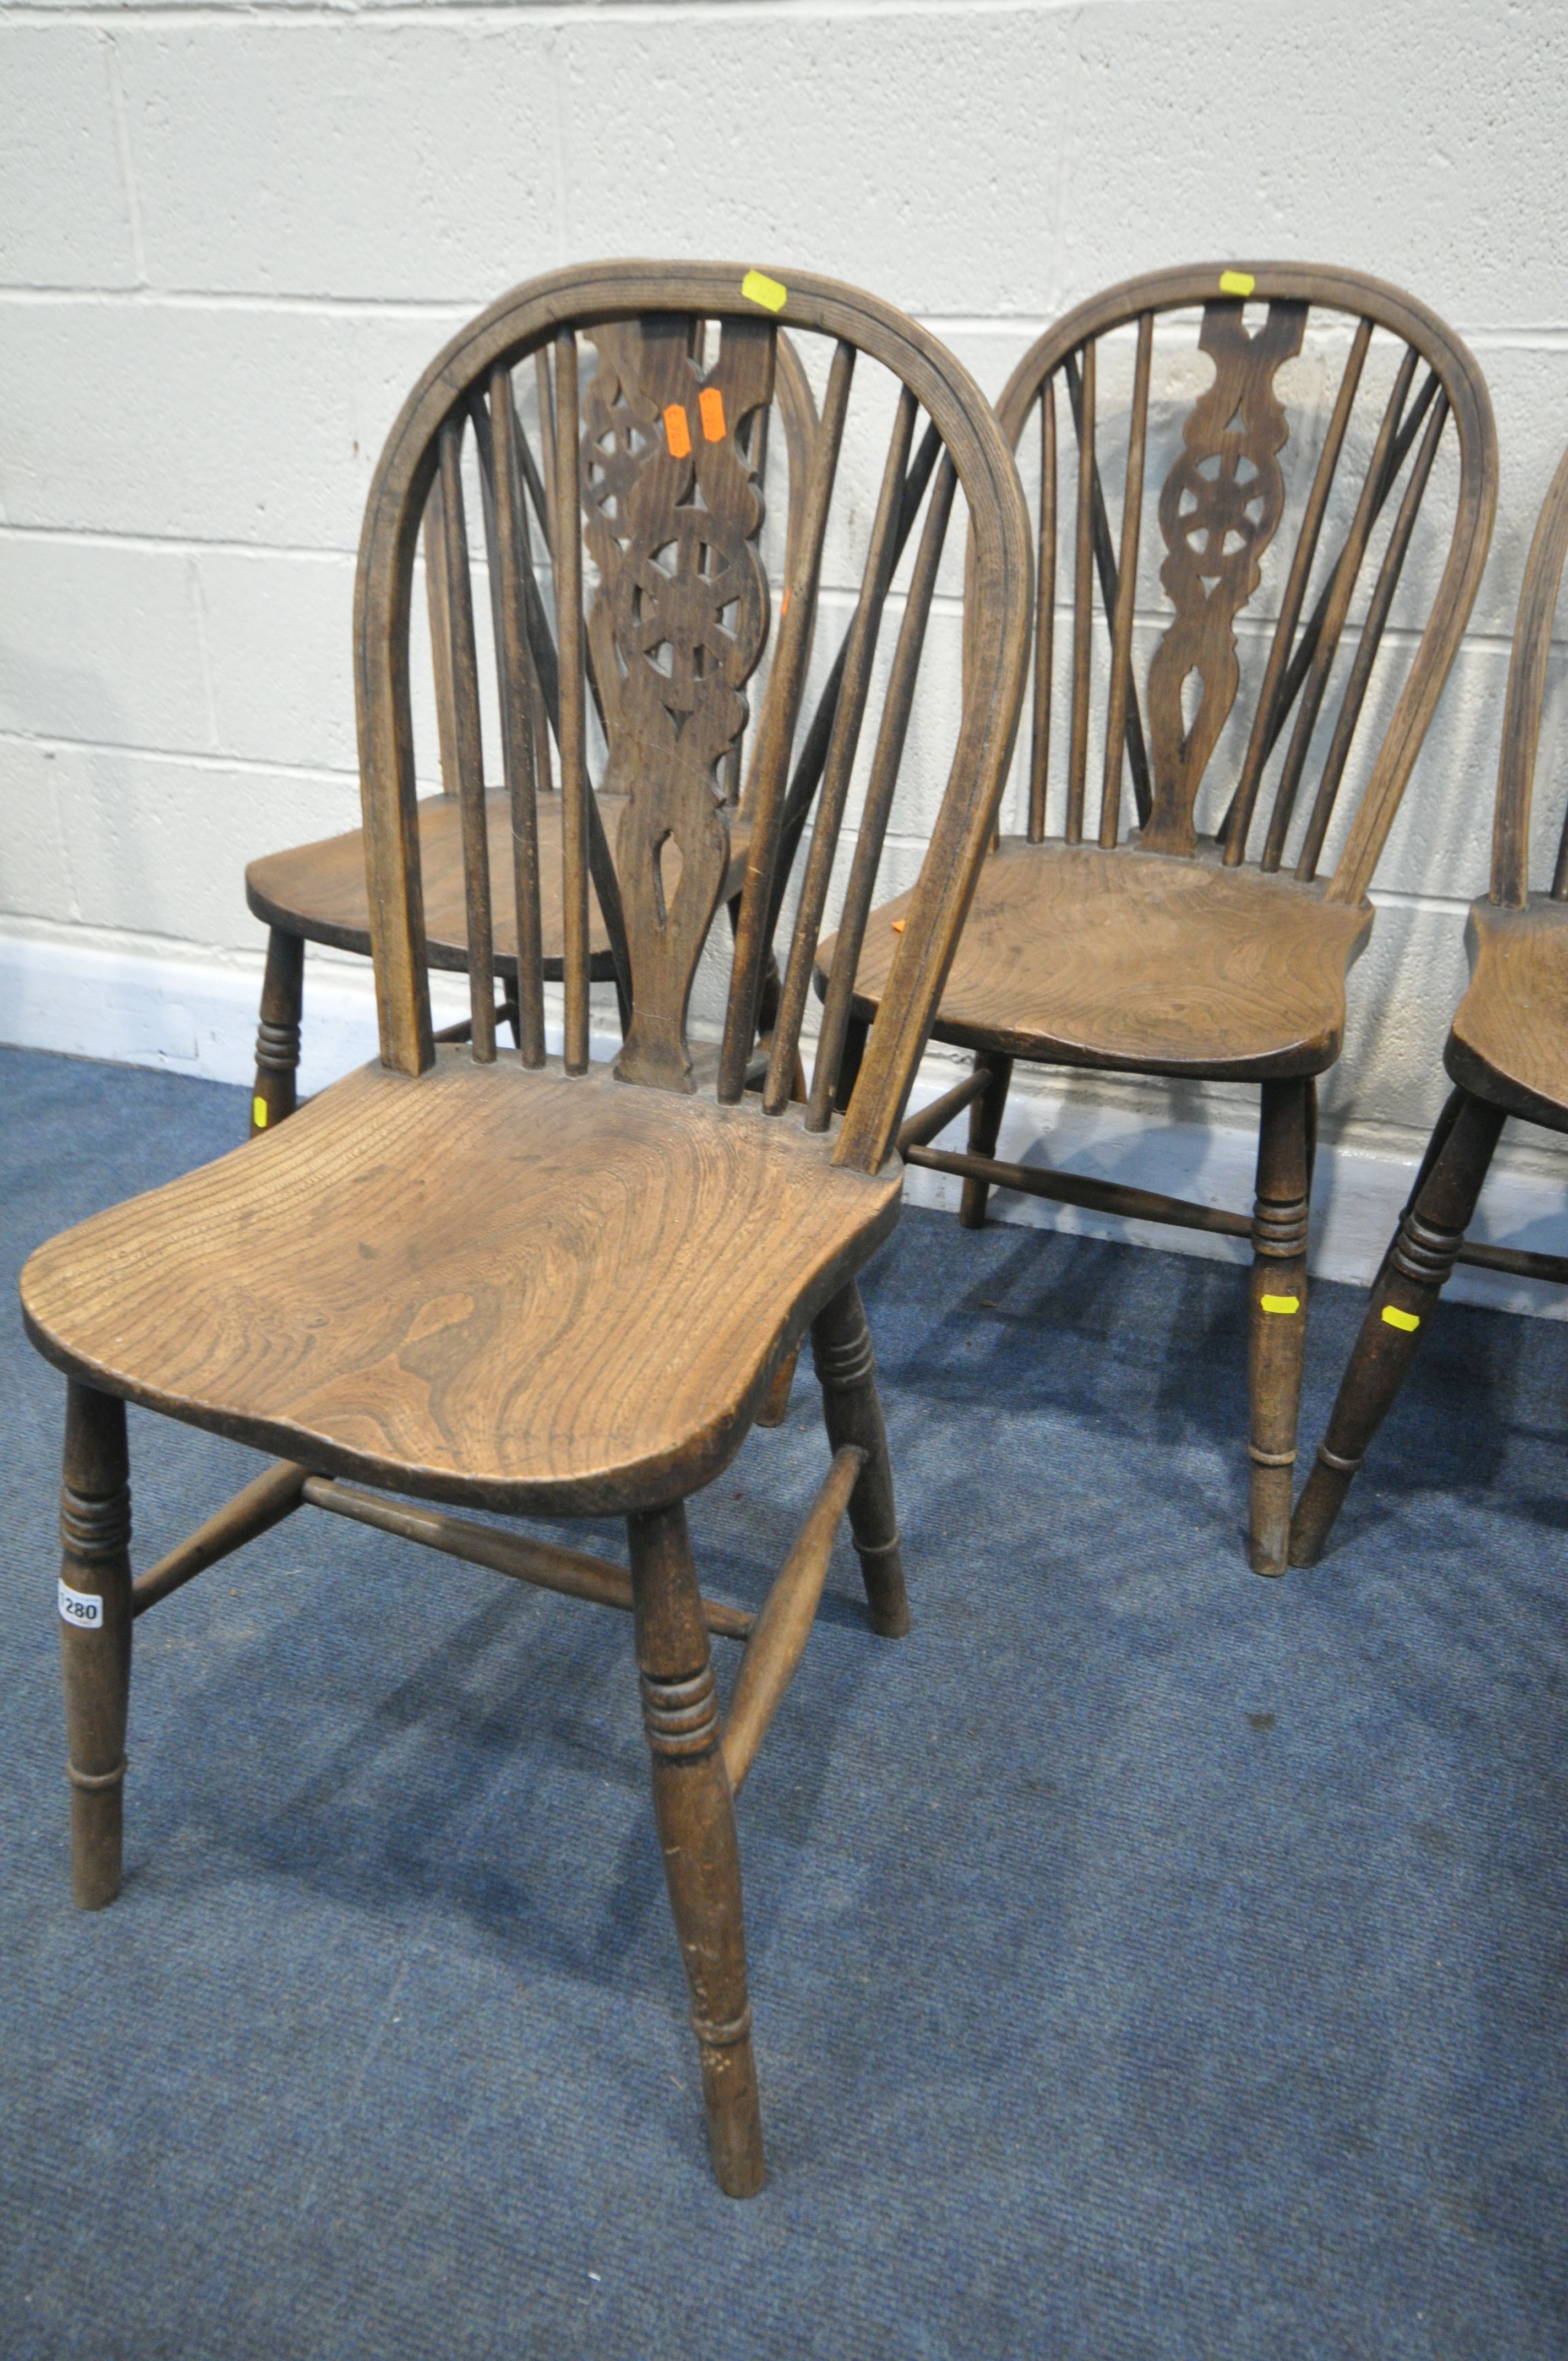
(1071, 958)
(542, 1293)
(319, 891)
(1509, 1040)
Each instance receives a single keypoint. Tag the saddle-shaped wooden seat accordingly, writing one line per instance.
(321, 888)
(1144, 962)
(543, 1294)
(1509, 1038)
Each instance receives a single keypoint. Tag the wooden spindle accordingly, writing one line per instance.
(543, 491)
(1082, 603)
(1044, 616)
(1366, 656)
(1105, 567)
(1126, 589)
(1264, 724)
(1340, 592)
(878, 807)
(779, 717)
(468, 743)
(510, 563)
(814, 749)
(440, 635)
(568, 559)
(860, 652)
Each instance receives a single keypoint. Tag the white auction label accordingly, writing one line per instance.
(84, 1609)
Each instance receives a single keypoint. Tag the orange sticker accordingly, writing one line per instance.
(897, 926)
(711, 403)
(677, 434)
(784, 603)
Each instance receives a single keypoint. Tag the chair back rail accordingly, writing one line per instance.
(652, 450)
(1219, 507)
(1525, 704)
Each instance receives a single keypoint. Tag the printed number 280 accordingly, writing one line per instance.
(82, 1608)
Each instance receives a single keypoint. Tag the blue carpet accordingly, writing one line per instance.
(1147, 1959)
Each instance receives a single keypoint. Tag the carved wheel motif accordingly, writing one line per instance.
(671, 515)
(1219, 509)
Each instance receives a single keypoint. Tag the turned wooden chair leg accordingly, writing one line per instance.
(695, 1811)
(277, 1035)
(1277, 1331)
(95, 1636)
(984, 1127)
(1414, 1274)
(846, 1370)
(775, 1407)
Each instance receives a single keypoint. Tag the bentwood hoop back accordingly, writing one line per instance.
(1208, 791)
(1506, 1054)
(317, 893)
(529, 1282)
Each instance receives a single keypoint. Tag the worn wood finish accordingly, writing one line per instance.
(95, 1614)
(1506, 1053)
(1131, 962)
(1177, 951)
(322, 886)
(694, 1813)
(277, 1035)
(488, 1269)
(474, 1280)
(1276, 1323)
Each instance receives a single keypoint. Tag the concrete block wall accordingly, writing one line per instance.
(231, 236)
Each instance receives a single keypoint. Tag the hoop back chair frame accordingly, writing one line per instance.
(315, 892)
(1158, 752)
(401, 1194)
(1505, 1056)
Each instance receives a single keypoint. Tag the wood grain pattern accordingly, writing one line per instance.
(319, 890)
(1077, 957)
(542, 1294)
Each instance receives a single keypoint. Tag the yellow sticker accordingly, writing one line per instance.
(1408, 1320)
(1236, 282)
(757, 288)
(259, 1114)
(1286, 1303)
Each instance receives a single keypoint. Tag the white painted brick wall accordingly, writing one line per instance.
(231, 235)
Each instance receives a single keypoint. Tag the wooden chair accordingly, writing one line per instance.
(317, 893)
(1170, 940)
(536, 1285)
(1506, 1054)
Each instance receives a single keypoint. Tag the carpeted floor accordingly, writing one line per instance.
(1147, 1959)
